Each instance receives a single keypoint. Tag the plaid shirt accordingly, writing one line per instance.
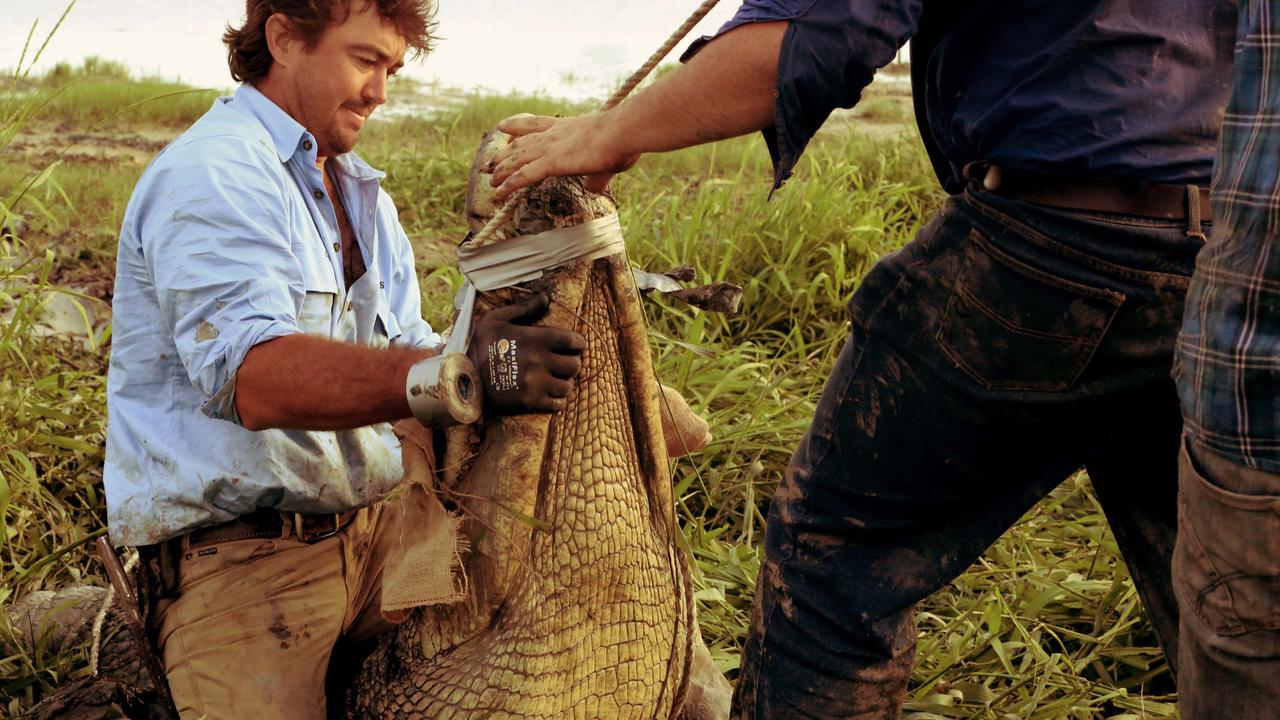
(1228, 362)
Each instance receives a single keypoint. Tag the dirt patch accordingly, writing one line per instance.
(136, 144)
(885, 111)
(847, 121)
(433, 252)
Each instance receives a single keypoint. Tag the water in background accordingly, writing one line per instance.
(577, 49)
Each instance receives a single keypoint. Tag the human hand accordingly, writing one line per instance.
(547, 146)
(524, 368)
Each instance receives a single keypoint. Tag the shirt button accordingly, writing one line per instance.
(306, 144)
(319, 194)
(337, 247)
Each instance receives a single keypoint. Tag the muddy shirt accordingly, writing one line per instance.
(230, 240)
(1129, 89)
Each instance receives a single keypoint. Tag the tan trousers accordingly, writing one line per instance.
(256, 621)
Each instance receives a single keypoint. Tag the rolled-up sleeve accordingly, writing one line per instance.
(829, 54)
(219, 248)
(404, 295)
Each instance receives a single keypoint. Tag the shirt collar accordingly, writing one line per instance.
(287, 134)
(353, 165)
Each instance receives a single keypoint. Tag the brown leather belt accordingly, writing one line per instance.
(267, 523)
(1151, 200)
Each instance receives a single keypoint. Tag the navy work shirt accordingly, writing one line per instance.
(1128, 89)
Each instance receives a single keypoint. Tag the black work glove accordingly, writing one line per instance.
(524, 368)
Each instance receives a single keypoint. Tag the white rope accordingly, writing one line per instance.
(640, 74)
(507, 211)
(129, 564)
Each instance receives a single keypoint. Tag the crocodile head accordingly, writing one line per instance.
(553, 203)
(578, 602)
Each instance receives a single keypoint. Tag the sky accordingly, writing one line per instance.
(570, 48)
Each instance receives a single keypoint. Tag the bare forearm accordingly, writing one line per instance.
(726, 90)
(303, 382)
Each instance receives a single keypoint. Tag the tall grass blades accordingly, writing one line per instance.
(51, 405)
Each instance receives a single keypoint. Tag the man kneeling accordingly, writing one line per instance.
(267, 314)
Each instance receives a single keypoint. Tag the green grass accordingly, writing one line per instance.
(121, 103)
(100, 94)
(884, 109)
(1046, 625)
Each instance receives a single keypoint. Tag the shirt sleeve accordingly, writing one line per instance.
(218, 246)
(404, 295)
(830, 53)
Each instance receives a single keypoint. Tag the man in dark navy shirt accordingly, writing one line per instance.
(1025, 332)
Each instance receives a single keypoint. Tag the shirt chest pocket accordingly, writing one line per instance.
(319, 303)
(373, 322)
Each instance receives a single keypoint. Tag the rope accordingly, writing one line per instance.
(129, 564)
(500, 218)
(661, 52)
(508, 210)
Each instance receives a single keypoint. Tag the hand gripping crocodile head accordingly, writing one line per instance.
(578, 597)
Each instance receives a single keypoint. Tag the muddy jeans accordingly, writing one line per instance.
(252, 632)
(1003, 348)
(1226, 570)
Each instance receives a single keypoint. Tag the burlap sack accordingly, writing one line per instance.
(426, 568)
(682, 429)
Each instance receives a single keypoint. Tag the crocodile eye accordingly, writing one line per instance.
(561, 206)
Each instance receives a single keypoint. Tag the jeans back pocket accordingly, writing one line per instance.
(1011, 326)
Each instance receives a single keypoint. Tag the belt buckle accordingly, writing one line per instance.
(312, 537)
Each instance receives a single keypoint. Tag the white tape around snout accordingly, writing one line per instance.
(523, 258)
(527, 257)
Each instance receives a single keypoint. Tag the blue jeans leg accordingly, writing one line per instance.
(1002, 349)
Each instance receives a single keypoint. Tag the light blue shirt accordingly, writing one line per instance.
(230, 240)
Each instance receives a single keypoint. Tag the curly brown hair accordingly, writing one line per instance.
(250, 59)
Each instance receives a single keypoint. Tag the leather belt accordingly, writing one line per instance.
(1151, 200)
(267, 523)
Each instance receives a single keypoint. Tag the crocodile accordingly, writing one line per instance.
(581, 604)
(579, 601)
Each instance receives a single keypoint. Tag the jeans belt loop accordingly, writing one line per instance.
(975, 171)
(1194, 228)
